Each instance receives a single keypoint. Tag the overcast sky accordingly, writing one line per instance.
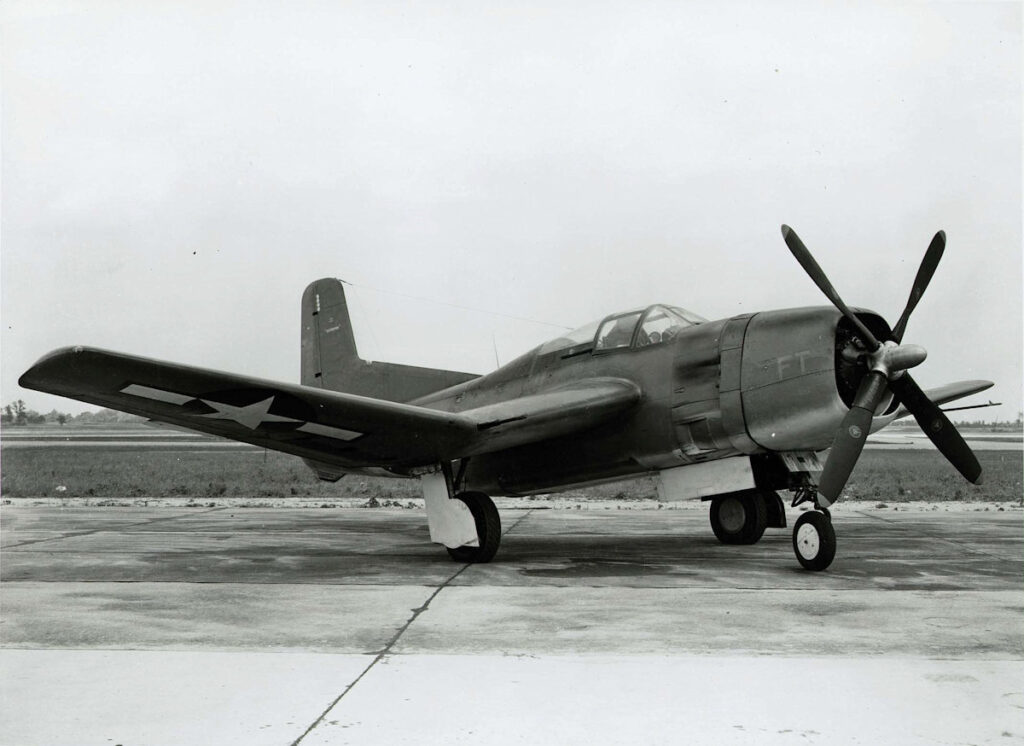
(175, 173)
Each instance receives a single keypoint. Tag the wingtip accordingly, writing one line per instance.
(30, 378)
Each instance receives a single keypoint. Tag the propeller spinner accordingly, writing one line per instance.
(887, 365)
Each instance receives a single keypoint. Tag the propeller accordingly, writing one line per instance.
(937, 427)
(887, 364)
(924, 276)
(803, 255)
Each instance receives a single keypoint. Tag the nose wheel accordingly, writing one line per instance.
(814, 540)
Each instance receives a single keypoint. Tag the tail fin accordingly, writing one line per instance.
(328, 342)
(330, 359)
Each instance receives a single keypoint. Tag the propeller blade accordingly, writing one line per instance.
(924, 276)
(850, 437)
(816, 273)
(937, 427)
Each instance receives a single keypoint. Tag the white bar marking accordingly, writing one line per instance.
(156, 394)
(330, 432)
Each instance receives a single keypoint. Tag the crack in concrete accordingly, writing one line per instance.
(383, 652)
(74, 534)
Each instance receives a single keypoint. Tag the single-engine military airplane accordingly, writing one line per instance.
(730, 411)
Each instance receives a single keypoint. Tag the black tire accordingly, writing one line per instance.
(814, 540)
(776, 509)
(488, 529)
(739, 518)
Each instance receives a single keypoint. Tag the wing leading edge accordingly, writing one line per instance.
(949, 392)
(344, 430)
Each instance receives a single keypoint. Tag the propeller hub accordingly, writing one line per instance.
(891, 359)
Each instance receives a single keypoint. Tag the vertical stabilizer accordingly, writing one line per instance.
(330, 359)
(328, 343)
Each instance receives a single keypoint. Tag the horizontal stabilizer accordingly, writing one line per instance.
(331, 361)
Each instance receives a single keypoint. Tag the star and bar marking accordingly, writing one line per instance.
(250, 415)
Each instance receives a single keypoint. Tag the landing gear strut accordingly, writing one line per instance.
(488, 529)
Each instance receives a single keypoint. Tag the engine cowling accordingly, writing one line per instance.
(797, 377)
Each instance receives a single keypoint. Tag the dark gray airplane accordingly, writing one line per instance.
(730, 411)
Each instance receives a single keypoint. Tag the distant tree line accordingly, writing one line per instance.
(984, 424)
(975, 424)
(17, 413)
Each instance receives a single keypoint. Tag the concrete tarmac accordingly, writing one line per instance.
(346, 626)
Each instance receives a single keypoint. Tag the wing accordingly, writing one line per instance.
(554, 412)
(343, 430)
(949, 392)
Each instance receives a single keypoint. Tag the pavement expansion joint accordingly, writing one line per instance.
(519, 520)
(386, 650)
(382, 652)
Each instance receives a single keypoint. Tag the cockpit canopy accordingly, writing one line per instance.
(639, 328)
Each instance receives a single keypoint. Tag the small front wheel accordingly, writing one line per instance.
(814, 540)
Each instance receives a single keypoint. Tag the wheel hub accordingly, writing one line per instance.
(807, 541)
(732, 515)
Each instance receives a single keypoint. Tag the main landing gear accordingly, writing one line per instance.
(742, 517)
(739, 518)
(488, 529)
(466, 523)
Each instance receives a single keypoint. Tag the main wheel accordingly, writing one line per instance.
(814, 540)
(739, 518)
(488, 529)
(776, 509)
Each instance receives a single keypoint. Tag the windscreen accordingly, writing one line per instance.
(573, 338)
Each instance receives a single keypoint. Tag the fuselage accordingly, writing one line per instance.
(771, 381)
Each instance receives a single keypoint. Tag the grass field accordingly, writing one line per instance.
(891, 476)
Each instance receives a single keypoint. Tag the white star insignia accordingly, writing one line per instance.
(251, 415)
